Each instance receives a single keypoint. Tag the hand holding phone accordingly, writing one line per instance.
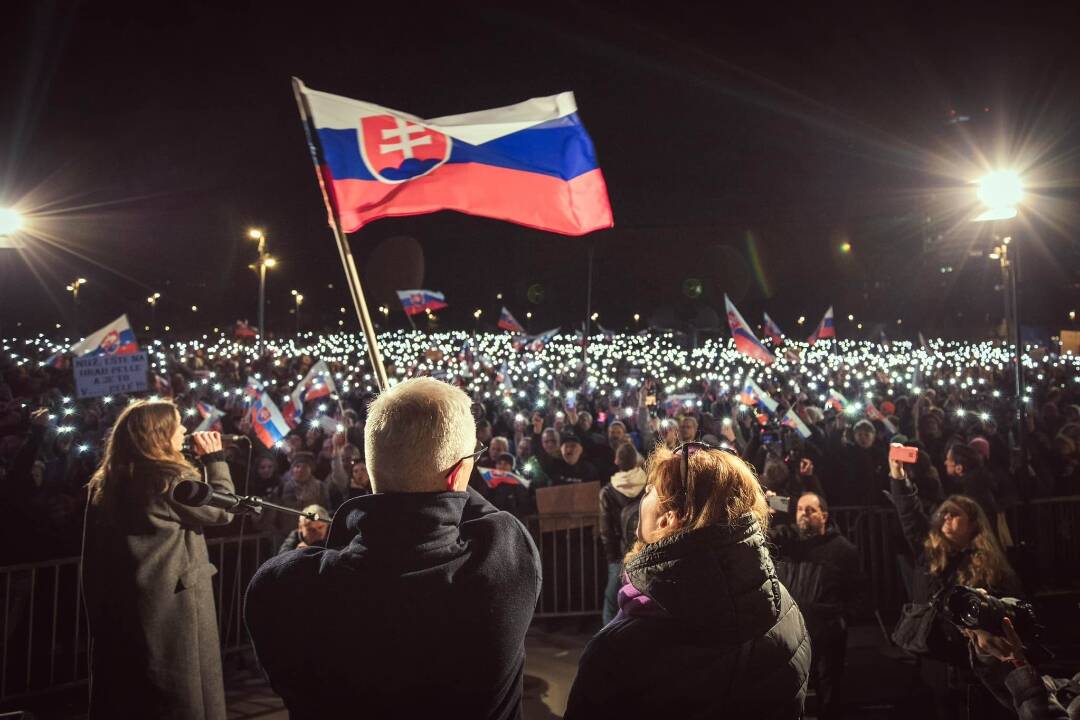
(903, 454)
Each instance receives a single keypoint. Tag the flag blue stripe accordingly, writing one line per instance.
(560, 148)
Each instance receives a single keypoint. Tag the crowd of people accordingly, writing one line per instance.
(817, 425)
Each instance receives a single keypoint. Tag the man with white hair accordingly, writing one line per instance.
(427, 589)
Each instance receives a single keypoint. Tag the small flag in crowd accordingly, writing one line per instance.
(116, 338)
(745, 340)
(836, 401)
(243, 330)
(536, 342)
(509, 322)
(415, 302)
(530, 163)
(266, 420)
(874, 414)
(754, 396)
(679, 403)
(211, 417)
(318, 383)
(792, 420)
(495, 478)
(825, 328)
(162, 387)
(772, 331)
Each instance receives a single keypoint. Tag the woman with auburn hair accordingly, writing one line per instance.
(704, 627)
(956, 545)
(146, 574)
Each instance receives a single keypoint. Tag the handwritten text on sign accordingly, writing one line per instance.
(110, 374)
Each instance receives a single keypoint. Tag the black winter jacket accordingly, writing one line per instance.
(422, 615)
(821, 573)
(729, 643)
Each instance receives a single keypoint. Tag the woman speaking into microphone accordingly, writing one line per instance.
(146, 574)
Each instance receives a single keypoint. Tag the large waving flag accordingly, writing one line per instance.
(772, 330)
(825, 328)
(318, 383)
(745, 340)
(532, 163)
(509, 322)
(266, 421)
(414, 302)
(116, 338)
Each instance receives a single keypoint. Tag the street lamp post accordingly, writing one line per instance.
(1000, 192)
(152, 300)
(263, 262)
(298, 298)
(73, 288)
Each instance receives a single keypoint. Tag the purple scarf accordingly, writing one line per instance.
(634, 603)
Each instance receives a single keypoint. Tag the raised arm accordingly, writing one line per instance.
(913, 520)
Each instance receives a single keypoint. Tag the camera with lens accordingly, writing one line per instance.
(971, 609)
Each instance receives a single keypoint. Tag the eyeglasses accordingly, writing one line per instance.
(689, 448)
(474, 456)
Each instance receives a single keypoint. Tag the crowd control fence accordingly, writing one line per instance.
(44, 641)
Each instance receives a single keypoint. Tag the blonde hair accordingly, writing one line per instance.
(141, 437)
(987, 565)
(719, 488)
(415, 433)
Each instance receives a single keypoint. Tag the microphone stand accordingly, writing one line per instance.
(254, 505)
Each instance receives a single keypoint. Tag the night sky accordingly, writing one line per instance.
(741, 149)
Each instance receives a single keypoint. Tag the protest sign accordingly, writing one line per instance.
(98, 375)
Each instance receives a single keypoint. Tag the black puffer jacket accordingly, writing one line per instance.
(726, 639)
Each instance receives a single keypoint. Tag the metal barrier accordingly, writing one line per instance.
(573, 567)
(44, 636)
(45, 642)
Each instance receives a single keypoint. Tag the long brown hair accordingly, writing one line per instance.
(986, 566)
(719, 488)
(139, 458)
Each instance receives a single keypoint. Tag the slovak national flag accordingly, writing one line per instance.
(825, 328)
(414, 302)
(266, 421)
(318, 383)
(116, 338)
(754, 396)
(509, 322)
(792, 420)
(532, 163)
(772, 330)
(495, 478)
(745, 340)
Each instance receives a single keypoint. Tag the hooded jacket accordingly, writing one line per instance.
(618, 503)
(721, 638)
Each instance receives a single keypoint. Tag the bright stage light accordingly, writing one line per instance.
(1000, 191)
(10, 221)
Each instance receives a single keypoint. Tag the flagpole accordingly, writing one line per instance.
(588, 312)
(352, 277)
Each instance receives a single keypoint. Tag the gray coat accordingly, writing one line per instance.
(146, 577)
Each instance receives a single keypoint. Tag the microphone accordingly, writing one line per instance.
(189, 443)
(194, 493)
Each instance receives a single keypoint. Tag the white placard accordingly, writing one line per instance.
(99, 375)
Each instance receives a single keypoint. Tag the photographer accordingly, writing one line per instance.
(955, 546)
(1001, 663)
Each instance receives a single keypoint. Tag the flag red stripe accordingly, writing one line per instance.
(570, 207)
